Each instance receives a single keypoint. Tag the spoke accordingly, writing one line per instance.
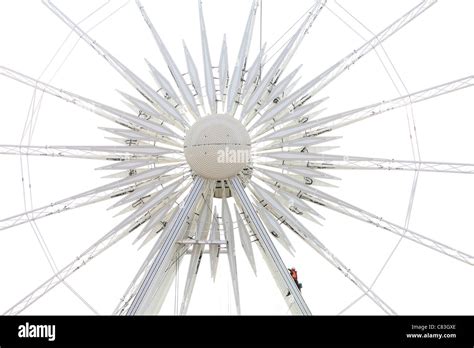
(126, 299)
(337, 69)
(144, 192)
(292, 201)
(276, 93)
(208, 75)
(223, 72)
(312, 16)
(303, 170)
(298, 206)
(326, 161)
(265, 199)
(178, 77)
(148, 112)
(258, 95)
(229, 236)
(300, 142)
(252, 77)
(285, 132)
(193, 74)
(295, 179)
(274, 228)
(163, 290)
(164, 85)
(173, 233)
(360, 214)
(115, 115)
(79, 262)
(346, 271)
(319, 82)
(202, 232)
(270, 254)
(214, 249)
(298, 115)
(112, 190)
(129, 134)
(109, 153)
(158, 218)
(284, 85)
(259, 98)
(143, 212)
(245, 240)
(324, 199)
(58, 151)
(144, 89)
(348, 117)
(131, 137)
(235, 86)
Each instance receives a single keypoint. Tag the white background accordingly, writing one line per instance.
(435, 48)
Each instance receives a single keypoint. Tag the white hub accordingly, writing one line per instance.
(217, 147)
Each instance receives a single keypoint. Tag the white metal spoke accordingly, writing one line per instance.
(193, 75)
(223, 72)
(214, 249)
(235, 85)
(265, 199)
(348, 117)
(229, 236)
(161, 213)
(300, 169)
(79, 262)
(115, 115)
(99, 194)
(133, 79)
(144, 211)
(360, 214)
(252, 78)
(58, 151)
(245, 240)
(270, 253)
(112, 153)
(254, 102)
(282, 133)
(300, 142)
(260, 97)
(202, 231)
(326, 161)
(178, 77)
(126, 299)
(343, 65)
(208, 75)
(336, 204)
(164, 86)
(171, 235)
(274, 228)
(298, 115)
(147, 111)
(315, 85)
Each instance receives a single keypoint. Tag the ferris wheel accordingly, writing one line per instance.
(226, 153)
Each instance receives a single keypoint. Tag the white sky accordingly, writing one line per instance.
(434, 49)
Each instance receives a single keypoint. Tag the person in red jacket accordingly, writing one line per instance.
(294, 275)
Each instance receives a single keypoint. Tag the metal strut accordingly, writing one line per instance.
(268, 246)
(172, 235)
